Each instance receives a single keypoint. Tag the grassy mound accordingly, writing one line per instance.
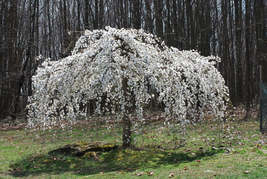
(82, 148)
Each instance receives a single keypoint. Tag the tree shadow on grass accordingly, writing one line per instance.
(115, 160)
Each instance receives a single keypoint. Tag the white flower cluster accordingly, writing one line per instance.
(121, 71)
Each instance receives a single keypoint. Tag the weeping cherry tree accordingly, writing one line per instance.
(121, 71)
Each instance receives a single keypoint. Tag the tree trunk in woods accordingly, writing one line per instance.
(96, 15)
(248, 59)
(174, 21)
(263, 48)
(148, 18)
(232, 56)
(101, 14)
(86, 14)
(264, 44)
(238, 43)
(136, 14)
(158, 17)
(168, 29)
(260, 7)
(225, 42)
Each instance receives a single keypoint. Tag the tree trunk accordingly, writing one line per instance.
(148, 18)
(238, 43)
(158, 8)
(101, 14)
(126, 133)
(190, 25)
(96, 15)
(86, 14)
(260, 7)
(248, 61)
(225, 44)
(264, 43)
(174, 21)
(136, 14)
(168, 29)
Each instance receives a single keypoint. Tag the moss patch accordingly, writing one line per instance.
(82, 148)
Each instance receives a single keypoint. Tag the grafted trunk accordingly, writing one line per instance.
(126, 133)
(126, 128)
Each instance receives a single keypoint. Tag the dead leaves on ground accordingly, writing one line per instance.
(148, 173)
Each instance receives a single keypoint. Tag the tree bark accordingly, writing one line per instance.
(260, 7)
(101, 14)
(190, 25)
(148, 18)
(126, 133)
(238, 43)
(225, 44)
(248, 56)
(168, 28)
(158, 6)
(264, 43)
(96, 15)
(136, 14)
(86, 14)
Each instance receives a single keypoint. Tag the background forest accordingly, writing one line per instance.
(230, 29)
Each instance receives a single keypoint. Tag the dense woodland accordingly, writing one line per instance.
(231, 29)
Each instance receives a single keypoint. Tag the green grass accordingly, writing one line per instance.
(208, 150)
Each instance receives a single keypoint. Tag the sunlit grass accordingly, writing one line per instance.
(210, 149)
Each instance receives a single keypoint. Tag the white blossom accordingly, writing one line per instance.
(186, 83)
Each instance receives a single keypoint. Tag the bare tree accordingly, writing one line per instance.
(148, 18)
(136, 10)
(158, 8)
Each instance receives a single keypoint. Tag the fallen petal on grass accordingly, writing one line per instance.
(171, 175)
(246, 172)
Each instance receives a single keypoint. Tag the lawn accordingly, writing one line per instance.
(234, 149)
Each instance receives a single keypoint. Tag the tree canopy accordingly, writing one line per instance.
(121, 71)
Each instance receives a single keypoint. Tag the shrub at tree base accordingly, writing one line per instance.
(120, 72)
